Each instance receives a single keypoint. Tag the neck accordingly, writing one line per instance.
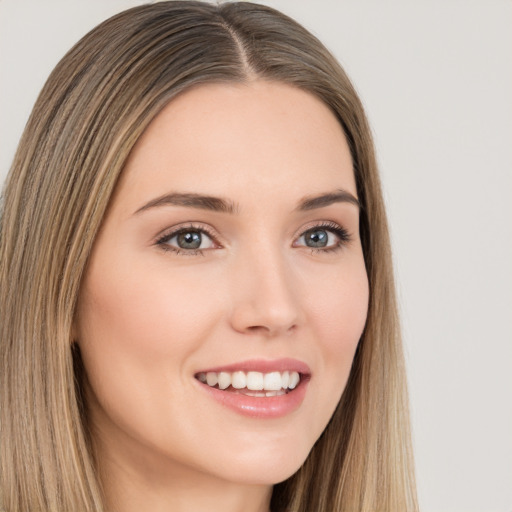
(132, 483)
(185, 495)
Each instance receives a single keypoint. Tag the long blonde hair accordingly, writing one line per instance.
(92, 110)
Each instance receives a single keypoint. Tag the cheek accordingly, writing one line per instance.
(345, 317)
(138, 329)
(151, 313)
(338, 309)
(338, 313)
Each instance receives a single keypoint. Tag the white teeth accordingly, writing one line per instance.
(285, 379)
(270, 384)
(294, 380)
(255, 381)
(211, 378)
(275, 393)
(272, 381)
(224, 380)
(258, 394)
(239, 380)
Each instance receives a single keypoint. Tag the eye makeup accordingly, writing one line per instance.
(191, 237)
(195, 239)
(324, 237)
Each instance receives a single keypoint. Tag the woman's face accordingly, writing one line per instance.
(230, 254)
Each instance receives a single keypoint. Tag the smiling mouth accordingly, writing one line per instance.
(255, 384)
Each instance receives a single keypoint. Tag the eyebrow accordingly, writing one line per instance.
(200, 201)
(323, 200)
(218, 204)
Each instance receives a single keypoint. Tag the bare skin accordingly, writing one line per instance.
(277, 275)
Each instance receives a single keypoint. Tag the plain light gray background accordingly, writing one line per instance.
(436, 79)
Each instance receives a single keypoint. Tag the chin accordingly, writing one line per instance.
(262, 468)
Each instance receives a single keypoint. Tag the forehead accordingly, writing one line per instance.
(226, 139)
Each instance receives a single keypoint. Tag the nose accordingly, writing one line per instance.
(264, 295)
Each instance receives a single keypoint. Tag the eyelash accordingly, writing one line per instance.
(342, 234)
(162, 242)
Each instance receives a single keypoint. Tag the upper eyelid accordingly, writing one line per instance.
(327, 224)
(171, 232)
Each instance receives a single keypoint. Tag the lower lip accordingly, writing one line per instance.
(260, 407)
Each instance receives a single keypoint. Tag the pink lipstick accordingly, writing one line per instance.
(258, 388)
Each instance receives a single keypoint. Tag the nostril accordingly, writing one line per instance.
(270, 330)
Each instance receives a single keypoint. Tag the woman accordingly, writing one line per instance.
(196, 284)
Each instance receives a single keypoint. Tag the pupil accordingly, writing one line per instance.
(317, 238)
(189, 240)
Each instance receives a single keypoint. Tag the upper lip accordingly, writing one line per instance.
(263, 366)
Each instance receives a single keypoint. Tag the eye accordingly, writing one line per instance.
(190, 240)
(318, 238)
(325, 237)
